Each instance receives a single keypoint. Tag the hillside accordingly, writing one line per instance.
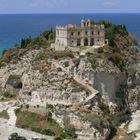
(88, 95)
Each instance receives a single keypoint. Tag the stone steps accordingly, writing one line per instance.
(12, 116)
(81, 82)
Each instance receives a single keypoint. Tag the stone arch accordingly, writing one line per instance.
(92, 42)
(86, 42)
(78, 42)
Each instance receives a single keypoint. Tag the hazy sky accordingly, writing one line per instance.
(69, 6)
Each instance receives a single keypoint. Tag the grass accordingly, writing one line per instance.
(4, 115)
(36, 122)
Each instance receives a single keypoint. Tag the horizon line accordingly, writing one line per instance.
(73, 13)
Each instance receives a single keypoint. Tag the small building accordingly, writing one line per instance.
(86, 34)
(13, 84)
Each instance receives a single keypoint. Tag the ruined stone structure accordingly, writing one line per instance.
(88, 34)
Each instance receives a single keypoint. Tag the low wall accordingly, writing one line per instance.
(36, 108)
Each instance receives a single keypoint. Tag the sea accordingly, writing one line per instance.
(14, 27)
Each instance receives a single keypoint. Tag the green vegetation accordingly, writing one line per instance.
(25, 42)
(113, 132)
(6, 96)
(15, 136)
(58, 138)
(35, 122)
(118, 61)
(13, 55)
(104, 108)
(4, 114)
(98, 121)
(40, 56)
(112, 30)
(63, 54)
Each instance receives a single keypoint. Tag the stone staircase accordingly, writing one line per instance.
(89, 88)
(12, 116)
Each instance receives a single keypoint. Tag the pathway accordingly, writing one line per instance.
(81, 82)
(12, 116)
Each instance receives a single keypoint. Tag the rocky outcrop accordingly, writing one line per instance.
(78, 91)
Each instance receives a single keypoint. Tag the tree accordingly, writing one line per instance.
(25, 42)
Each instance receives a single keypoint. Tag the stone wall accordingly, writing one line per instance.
(108, 84)
(36, 108)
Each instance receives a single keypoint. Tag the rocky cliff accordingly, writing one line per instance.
(89, 93)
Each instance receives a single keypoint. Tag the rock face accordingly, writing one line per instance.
(77, 91)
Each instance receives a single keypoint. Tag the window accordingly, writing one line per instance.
(58, 32)
(86, 32)
(84, 24)
(78, 42)
(92, 33)
(78, 33)
(98, 32)
(72, 33)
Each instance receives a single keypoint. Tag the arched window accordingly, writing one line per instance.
(92, 42)
(78, 33)
(86, 42)
(78, 42)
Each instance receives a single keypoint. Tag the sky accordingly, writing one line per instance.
(69, 6)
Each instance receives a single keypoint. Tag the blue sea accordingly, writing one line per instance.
(17, 26)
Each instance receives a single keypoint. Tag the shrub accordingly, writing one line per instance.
(113, 132)
(47, 132)
(17, 111)
(112, 30)
(97, 121)
(6, 94)
(100, 50)
(118, 61)
(40, 56)
(104, 108)
(58, 138)
(38, 130)
(25, 42)
(63, 54)
(63, 135)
